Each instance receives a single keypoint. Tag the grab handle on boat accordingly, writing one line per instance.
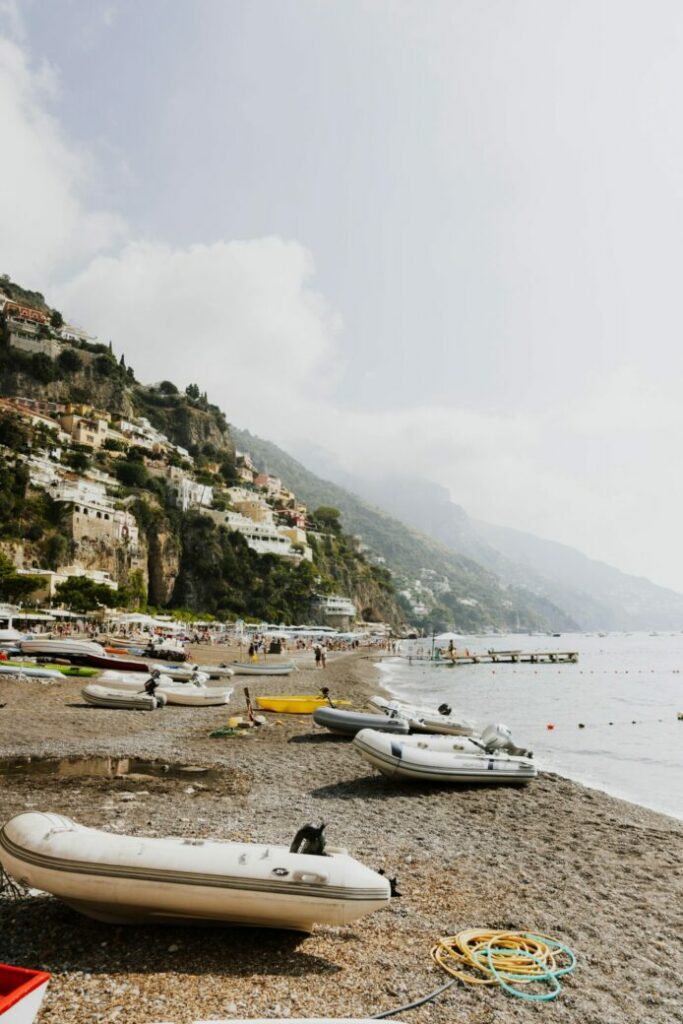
(309, 876)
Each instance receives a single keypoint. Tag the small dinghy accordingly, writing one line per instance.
(122, 879)
(195, 697)
(348, 723)
(182, 673)
(297, 704)
(216, 671)
(432, 720)
(101, 697)
(437, 759)
(62, 648)
(130, 681)
(10, 637)
(260, 668)
(21, 993)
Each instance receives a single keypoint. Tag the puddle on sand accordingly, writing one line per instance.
(102, 767)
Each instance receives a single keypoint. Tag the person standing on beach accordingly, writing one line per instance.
(318, 655)
(323, 656)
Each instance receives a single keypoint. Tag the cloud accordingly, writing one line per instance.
(238, 318)
(47, 226)
(243, 319)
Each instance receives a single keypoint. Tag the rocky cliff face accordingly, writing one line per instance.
(163, 560)
(85, 385)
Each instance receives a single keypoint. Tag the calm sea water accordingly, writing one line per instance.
(633, 681)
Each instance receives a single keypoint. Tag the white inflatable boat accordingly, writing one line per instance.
(188, 694)
(262, 668)
(135, 879)
(102, 697)
(195, 696)
(62, 648)
(129, 681)
(432, 720)
(181, 673)
(437, 759)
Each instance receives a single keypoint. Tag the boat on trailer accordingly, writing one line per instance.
(440, 759)
(135, 879)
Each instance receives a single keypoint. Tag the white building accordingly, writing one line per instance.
(336, 610)
(191, 494)
(82, 491)
(263, 538)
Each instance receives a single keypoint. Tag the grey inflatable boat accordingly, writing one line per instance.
(348, 723)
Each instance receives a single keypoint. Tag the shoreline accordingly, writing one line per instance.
(554, 857)
(578, 779)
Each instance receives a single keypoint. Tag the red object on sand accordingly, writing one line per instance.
(21, 993)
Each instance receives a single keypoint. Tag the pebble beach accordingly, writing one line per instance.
(602, 875)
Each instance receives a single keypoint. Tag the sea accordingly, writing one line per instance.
(608, 721)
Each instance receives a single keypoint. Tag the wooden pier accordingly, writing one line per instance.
(489, 658)
(501, 658)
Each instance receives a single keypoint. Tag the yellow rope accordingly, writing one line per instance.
(476, 957)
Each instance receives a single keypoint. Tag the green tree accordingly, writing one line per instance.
(192, 392)
(167, 387)
(42, 368)
(84, 595)
(78, 460)
(14, 587)
(56, 319)
(132, 473)
(328, 518)
(69, 361)
(14, 433)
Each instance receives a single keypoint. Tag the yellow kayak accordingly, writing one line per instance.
(297, 705)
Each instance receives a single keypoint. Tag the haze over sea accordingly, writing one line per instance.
(631, 680)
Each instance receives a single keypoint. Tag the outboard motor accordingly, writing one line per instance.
(496, 737)
(309, 839)
(499, 737)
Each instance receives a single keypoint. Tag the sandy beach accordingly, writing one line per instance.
(602, 875)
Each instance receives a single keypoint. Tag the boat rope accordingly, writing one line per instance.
(10, 889)
(508, 959)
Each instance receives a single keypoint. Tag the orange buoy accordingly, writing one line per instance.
(550, 726)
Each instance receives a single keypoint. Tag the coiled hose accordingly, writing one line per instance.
(508, 959)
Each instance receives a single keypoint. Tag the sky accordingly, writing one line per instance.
(438, 240)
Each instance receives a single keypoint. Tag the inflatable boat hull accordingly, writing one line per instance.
(348, 723)
(123, 879)
(428, 762)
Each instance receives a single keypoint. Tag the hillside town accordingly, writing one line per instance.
(76, 441)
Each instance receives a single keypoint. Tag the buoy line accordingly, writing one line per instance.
(508, 959)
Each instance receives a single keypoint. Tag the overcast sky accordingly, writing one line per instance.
(436, 238)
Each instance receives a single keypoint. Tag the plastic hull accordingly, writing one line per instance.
(295, 704)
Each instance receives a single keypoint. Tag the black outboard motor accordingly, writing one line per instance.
(309, 839)
(152, 684)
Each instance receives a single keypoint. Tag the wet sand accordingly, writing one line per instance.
(604, 876)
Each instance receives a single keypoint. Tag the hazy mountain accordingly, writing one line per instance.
(595, 595)
(476, 599)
